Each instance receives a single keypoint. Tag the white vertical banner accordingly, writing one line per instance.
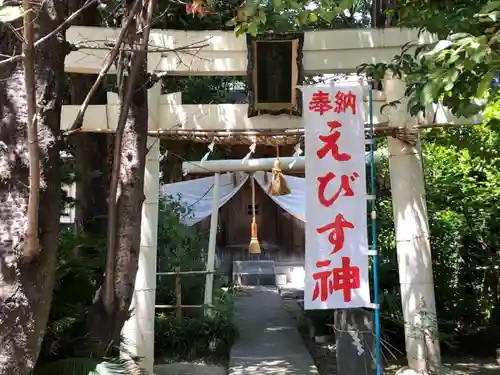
(336, 260)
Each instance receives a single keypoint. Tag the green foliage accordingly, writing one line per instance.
(438, 17)
(202, 90)
(196, 336)
(193, 338)
(179, 246)
(255, 16)
(79, 268)
(462, 170)
(171, 15)
(464, 214)
(460, 68)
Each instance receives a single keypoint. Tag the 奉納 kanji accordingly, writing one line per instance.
(345, 101)
(320, 102)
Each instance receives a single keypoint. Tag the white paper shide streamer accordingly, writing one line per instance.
(250, 152)
(210, 150)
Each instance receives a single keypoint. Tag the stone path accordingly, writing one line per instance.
(269, 343)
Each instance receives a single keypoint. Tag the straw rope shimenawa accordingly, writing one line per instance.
(254, 247)
(409, 135)
(284, 136)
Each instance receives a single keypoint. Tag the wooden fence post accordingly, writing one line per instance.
(178, 295)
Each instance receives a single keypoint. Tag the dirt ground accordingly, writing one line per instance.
(462, 366)
(325, 359)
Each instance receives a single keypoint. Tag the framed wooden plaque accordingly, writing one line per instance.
(274, 71)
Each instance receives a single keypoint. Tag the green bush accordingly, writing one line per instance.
(193, 338)
(79, 268)
(181, 247)
(196, 336)
(80, 263)
(462, 171)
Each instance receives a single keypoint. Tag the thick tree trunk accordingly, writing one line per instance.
(26, 288)
(131, 197)
(106, 326)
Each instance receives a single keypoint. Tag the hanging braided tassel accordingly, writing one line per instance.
(278, 185)
(254, 247)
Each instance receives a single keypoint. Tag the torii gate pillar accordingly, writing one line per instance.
(138, 331)
(412, 241)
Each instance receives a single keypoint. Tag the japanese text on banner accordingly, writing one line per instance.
(336, 218)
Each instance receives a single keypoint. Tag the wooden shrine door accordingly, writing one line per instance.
(237, 216)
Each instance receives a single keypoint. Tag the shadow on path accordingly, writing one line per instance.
(269, 343)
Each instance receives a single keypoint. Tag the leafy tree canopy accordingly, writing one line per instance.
(252, 16)
(461, 67)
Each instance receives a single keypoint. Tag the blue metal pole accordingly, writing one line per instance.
(374, 236)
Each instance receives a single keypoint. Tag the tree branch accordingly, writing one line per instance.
(77, 124)
(112, 57)
(66, 22)
(31, 243)
(157, 50)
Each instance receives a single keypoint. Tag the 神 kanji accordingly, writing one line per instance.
(345, 101)
(320, 102)
(345, 187)
(345, 279)
(324, 282)
(330, 143)
(336, 228)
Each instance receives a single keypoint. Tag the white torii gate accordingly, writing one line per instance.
(327, 51)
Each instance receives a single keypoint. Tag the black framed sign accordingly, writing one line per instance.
(274, 71)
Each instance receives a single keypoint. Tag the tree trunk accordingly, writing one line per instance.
(26, 287)
(105, 327)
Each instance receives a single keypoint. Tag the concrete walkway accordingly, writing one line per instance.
(269, 343)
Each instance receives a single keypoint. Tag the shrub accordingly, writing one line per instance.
(193, 338)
